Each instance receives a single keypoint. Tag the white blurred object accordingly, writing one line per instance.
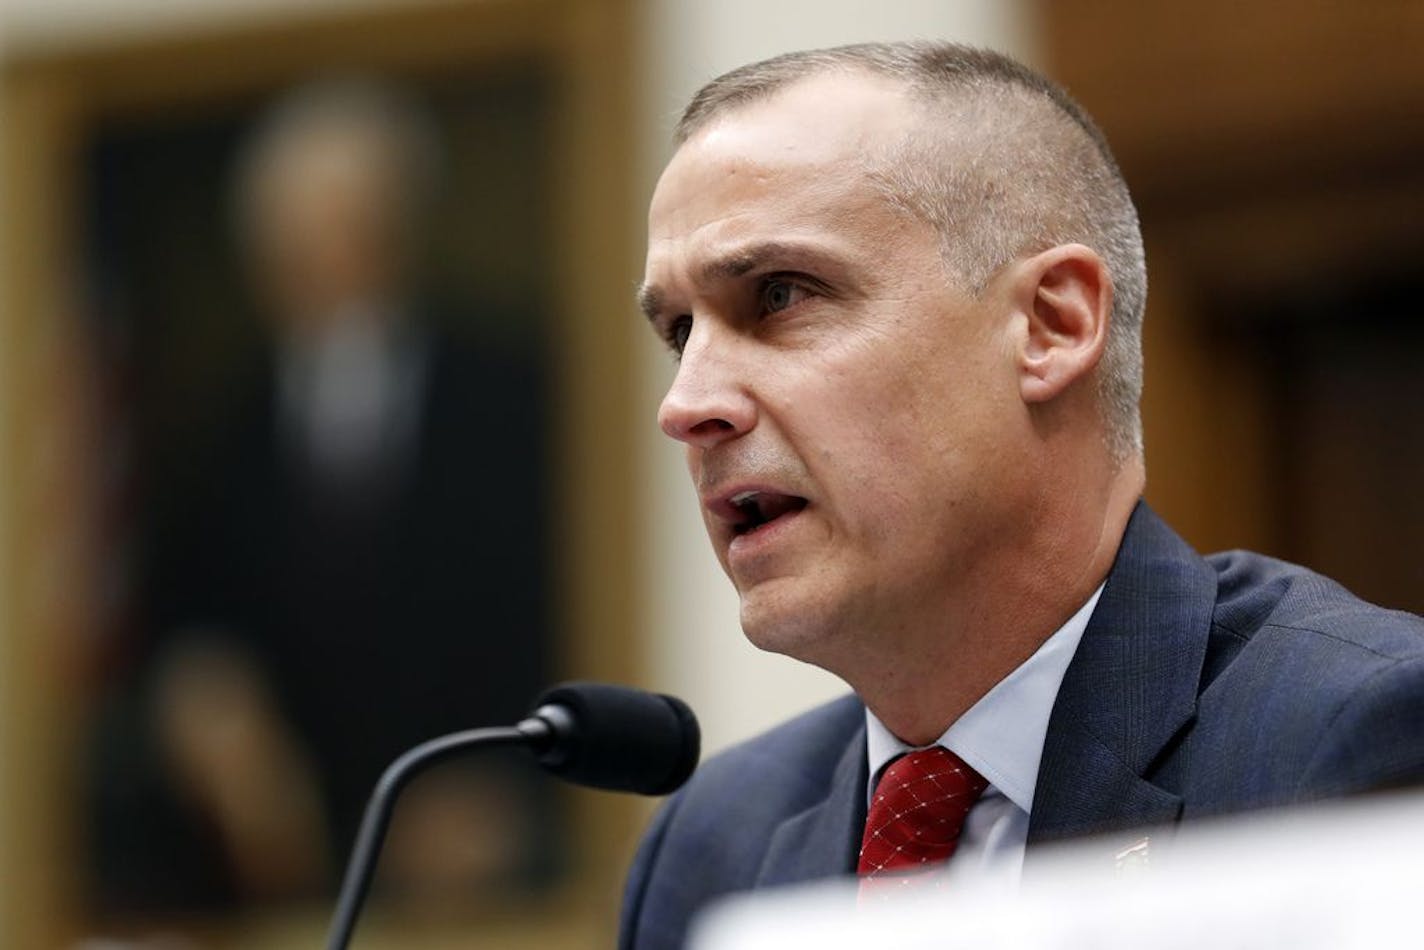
(1340, 877)
(350, 394)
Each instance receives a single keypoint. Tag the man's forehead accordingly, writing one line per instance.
(825, 114)
(782, 179)
(811, 138)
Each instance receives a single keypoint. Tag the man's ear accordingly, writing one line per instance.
(1065, 296)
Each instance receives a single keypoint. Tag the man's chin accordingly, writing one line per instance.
(800, 631)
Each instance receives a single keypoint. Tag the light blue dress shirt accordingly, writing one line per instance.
(1001, 737)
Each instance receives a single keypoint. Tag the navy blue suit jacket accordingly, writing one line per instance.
(1201, 686)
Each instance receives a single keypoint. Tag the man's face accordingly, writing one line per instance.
(849, 413)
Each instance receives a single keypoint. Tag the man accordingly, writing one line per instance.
(905, 284)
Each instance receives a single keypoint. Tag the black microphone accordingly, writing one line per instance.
(611, 737)
(617, 738)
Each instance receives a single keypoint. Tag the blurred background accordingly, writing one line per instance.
(326, 417)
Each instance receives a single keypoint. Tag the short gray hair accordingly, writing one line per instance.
(1033, 172)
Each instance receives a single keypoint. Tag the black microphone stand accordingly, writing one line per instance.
(532, 732)
(597, 734)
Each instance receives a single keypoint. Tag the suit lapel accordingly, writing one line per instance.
(823, 840)
(1132, 686)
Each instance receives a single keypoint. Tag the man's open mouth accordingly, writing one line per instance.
(756, 509)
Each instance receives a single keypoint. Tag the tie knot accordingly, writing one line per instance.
(917, 811)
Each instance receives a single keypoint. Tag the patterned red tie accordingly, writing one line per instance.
(916, 815)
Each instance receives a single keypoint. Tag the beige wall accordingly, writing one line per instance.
(696, 647)
(40, 25)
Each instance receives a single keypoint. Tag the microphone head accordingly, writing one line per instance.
(618, 738)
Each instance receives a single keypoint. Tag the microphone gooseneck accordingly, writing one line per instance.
(610, 737)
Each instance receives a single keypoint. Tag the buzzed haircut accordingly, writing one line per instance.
(1007, 165)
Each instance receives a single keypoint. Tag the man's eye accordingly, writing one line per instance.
(678, 332)
(780, 294)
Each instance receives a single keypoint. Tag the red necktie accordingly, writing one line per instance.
(916, 814)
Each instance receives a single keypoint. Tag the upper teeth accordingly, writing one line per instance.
(741, 498)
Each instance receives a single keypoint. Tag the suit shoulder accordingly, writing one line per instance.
(1307, 691)
(688, 857)
(1262, 598)
(792, 761)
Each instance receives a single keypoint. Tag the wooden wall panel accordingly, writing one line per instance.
(1273, 152)
(1218, 90)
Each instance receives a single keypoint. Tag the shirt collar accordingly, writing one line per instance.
(1001, 736)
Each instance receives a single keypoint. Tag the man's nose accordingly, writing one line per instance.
(707, 402)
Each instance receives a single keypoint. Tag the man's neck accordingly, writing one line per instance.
(922, 684)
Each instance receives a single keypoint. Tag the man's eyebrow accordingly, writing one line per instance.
(734, 263)
(743, 260)
(650, 301)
